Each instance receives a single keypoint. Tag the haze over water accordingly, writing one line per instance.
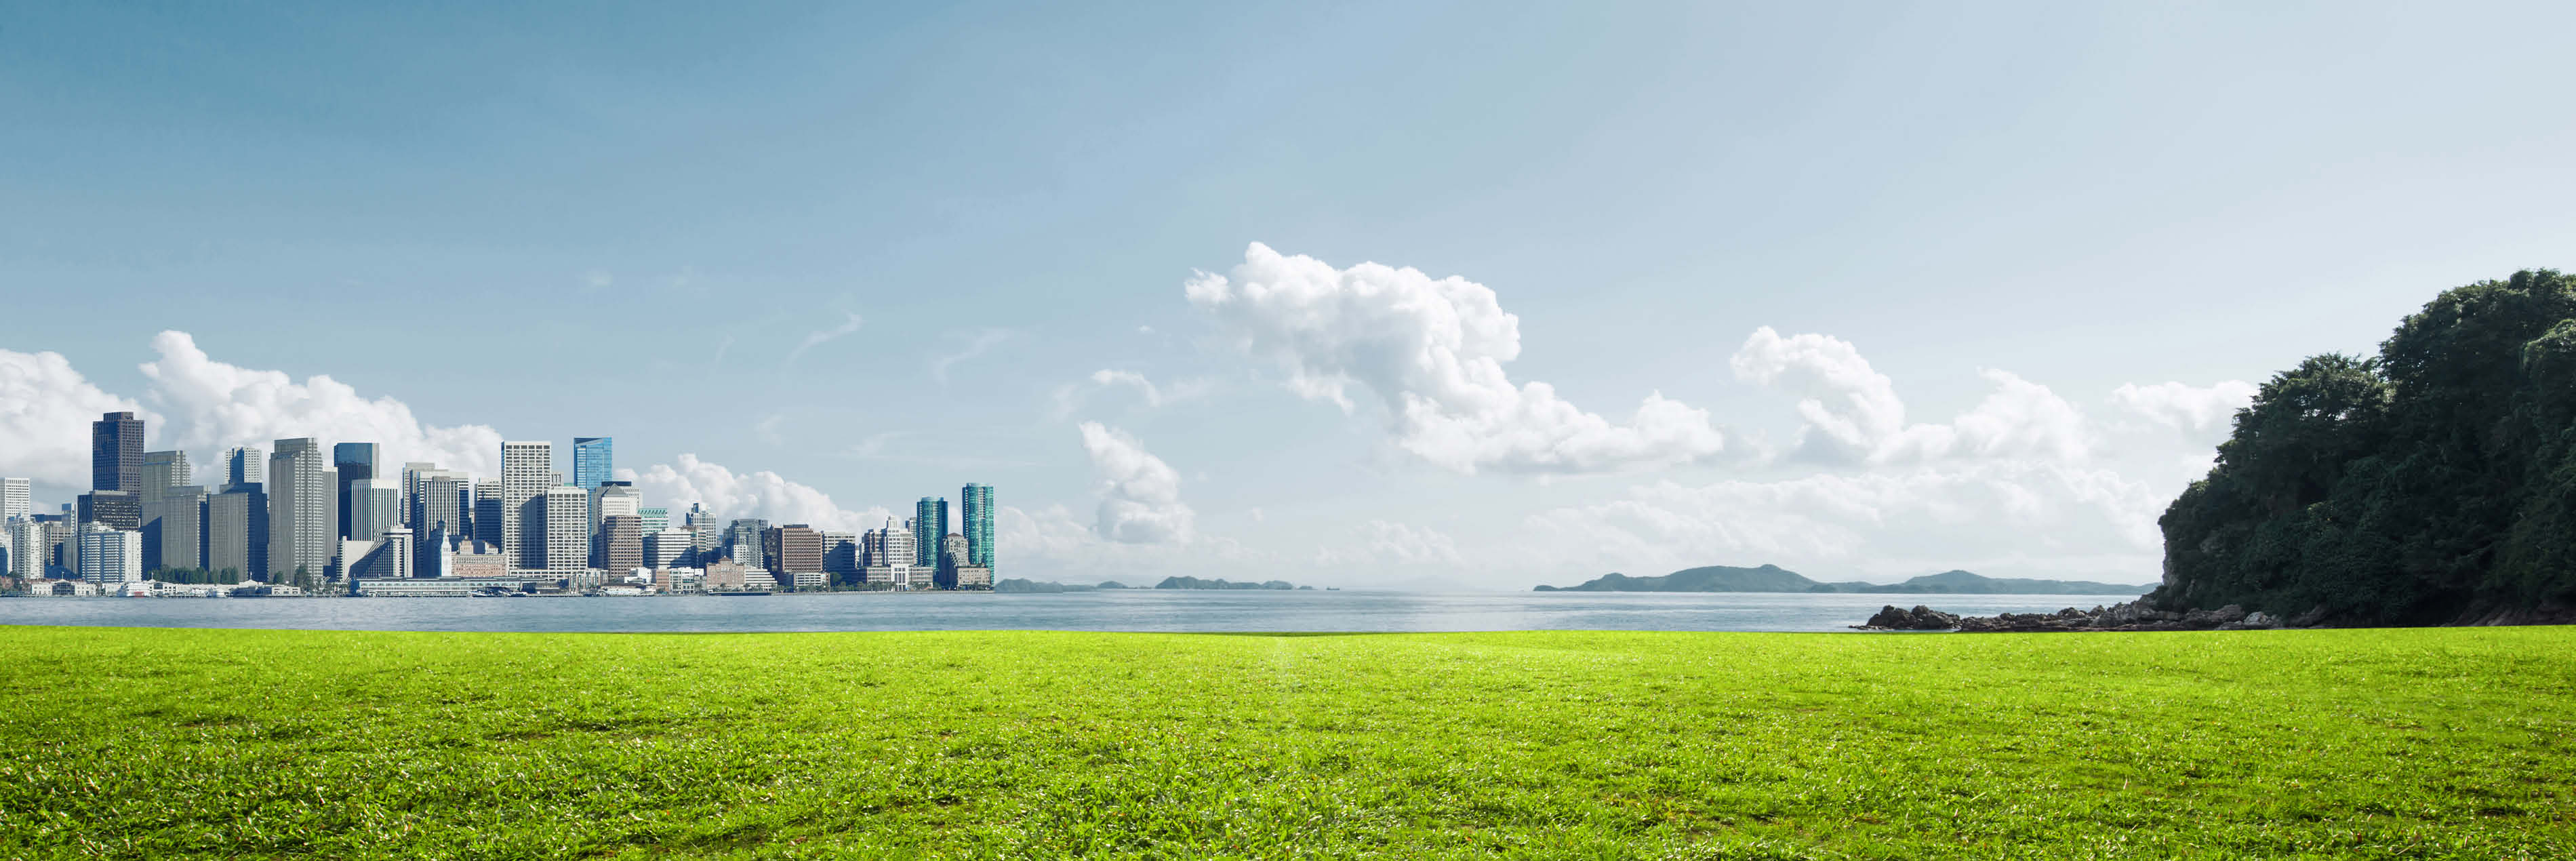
(1110, 610)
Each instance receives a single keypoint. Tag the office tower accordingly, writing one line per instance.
(116, 453)
(356, 462)
(611, 498)
(375, 505)
(706, 540)
(743, 540)
(526, 471)
(487, 512)
(115, 509)
(669, 548)
(245, 465)
(655, 519)
(237, 530)
(975, 505)
(62, 546)
(110, 556)
(163, 470)
(562, 526)
(793, 549)
(26, 548)
(929, 522)
(410, 492)
(592, 461)
(438, 497)
(303, 508)
(14, 500)
(696, 515)
(841, 555)
(952, 550)
(890, 556)
(174, 529)
(620, 542)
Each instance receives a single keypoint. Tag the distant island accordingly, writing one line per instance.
(1019, 585)
(1773, 578)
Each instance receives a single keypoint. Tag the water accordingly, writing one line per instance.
(1113, 610)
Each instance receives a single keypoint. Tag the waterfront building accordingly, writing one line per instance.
(356, 462)
(303, 507)
(388, 558)
(110, 555)
(14, 499)
(611, 498)
(563, 530)
(793, 549)
(620, 541)
(116, 453)
(975, 506)
(679, 581)
(890, 557)
(743, 543)
(841, 556)
(929, 522)
(527, 470)
(479, 560)
(245, 465)
(669, 548)
(593, 461)
(971, 577)
(237, 530)
(27, 548)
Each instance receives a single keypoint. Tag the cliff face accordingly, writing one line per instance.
(2433, 483)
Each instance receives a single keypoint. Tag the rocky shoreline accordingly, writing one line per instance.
(2128, 616)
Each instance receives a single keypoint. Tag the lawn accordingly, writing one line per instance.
(2425, 743)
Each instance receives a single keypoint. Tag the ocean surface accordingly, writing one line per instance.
(1112, 610)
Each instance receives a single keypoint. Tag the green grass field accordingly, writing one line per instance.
(2428, 743)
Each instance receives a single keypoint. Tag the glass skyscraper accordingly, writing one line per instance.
(593, 459)
(929, 524)
(356, 462)
(976, 507)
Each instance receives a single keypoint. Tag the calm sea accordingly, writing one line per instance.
(1118, 610)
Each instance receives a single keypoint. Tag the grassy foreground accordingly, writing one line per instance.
(139, 743)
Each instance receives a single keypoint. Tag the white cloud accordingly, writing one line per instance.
(45, 411)
(766, 429)
(212, 406)
(1853, 415)
(1070, 396)
(763, 494)
(2175, 405)
(1432, 351)
(1384, 542)
(1140, 495)
(817, 339)
(977, 342)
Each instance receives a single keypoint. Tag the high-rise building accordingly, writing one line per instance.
(742, 540)
(620, 543)
(593, 460)
(356, 462)
(841, 556)
(487, 518)
(655, 519)
(389, 558)
(975, 506)
(174, 529)
(245, 465)
(303, 508)
(562, 524)
(952, 550)
(611, 498)
(890, 557)
(669, 548)
(438, 498)
(163, 470)
(375, 505)
(115, 509)
(110, 556)
(793, 549)
(527, 469)
(14, 500)
(237, 530)
(116, 453)
(411, 471)
(27, 548)
(929, 522)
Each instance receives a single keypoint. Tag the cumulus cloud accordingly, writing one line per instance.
(2185, 407)
(1140, 495)
(763, 494)
(1852, 414)
(45, 411)
(1432, 352)
(213, 405)
(816, 339)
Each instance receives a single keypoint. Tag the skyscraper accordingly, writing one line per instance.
(375, 505)
(487, 512)
(411, 491)
(303, 508)
(356, 462)
(593, 460)
(562, 524)
(116, 453)
(245, 465)
(110, 556)
(439, 497)
(115, 509)
(610, 498)
(527, 468)
(173, 512)
(27, 548)
(619, 543)
(742, 538)
(976, 504)
(237, 530)
(14, 501)
(929, 522)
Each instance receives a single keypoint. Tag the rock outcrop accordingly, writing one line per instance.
(2130, 616)
(1921, 618)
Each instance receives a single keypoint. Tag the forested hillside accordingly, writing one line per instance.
(2433, 483)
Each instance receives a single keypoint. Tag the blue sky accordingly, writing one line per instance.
(631, 221)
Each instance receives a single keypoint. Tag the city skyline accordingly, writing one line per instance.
(1558, 293)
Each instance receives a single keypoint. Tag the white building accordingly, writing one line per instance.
(564, 518)
(111, 556)
(667, 548)
(303, 507)
(26, 548)
(14, 502)
(375, 505)
(527, 469)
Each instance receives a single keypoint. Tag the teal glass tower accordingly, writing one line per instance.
(976, 508)
(593, 461)
(929, 525)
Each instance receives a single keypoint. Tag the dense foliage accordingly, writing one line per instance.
(173, 743)
(2434, 482)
